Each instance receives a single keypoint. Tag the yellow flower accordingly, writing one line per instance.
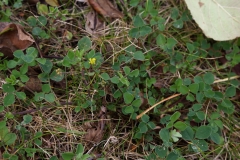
(58, 71)
(92, 61)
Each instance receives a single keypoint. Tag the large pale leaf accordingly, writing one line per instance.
(219, 19)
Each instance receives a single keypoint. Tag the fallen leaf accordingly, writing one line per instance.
(105, 8)
(13, 37)
(94, 25)
(95, 134)
(218, 19)
(33, 84)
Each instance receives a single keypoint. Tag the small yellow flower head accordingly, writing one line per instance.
(58, 71)
(92, 61)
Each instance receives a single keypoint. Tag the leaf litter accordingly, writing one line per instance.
(13, 37)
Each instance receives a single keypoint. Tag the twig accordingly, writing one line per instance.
(166, 99)
(226, 79)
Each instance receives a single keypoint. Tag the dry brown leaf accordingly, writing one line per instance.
(94, 25)
(95, 134)
(13, 37)
(33, 84)
(105, 8)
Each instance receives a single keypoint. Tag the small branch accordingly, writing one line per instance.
(226, 79)
(166, 99)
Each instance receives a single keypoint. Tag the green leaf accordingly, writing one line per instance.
(133, 3)
(84, 43)
(9, 138)
(190, 97)
(197, 79)
(194, 87)
(171, 42)
(42, 20)
(151, 125)
(42, 9)
(201, 144)
(24, 78)
(129, 109)
(172, 156)
(8, 88)
(161, 40)
(134, 73)
(207, 13)
(178, 23)
(127, 70)
(140, 32)
(209, 93)
(230, 91)
(180, 125)
(2, 124)
(128, 97)
(161, 151)
(117, 94)
(18, 53)
(21, 95)
(218, 96)
(24, 69)
(105, 76)
(47, 67)
(219, 123)
(27, 118)
(215, 115)
(183, 89)
(226, 106)
(32, 21)
(200, 115)
(79, 151)
(124, 81)
(174, 13)
(67, 155)
(143, 127)
(145, 118)
(215, 137)
(50, 97)
(36, 31)
(203, 132)
(137, 102)
(197, 107)
(41, 60)
(115, 79)
(175, 135)
(43, 77)
(9, 99)
(169, 125)
(190, 47)
(16, 73)
(138, 21)
(1, 108)
(46, 88)
(57, 75)
(175, 116)
(199, 97)
(11, 64)
(161, 24)
(188, 134)
(53, 158)
(208, 78)
(138, 55)
(164, 134)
